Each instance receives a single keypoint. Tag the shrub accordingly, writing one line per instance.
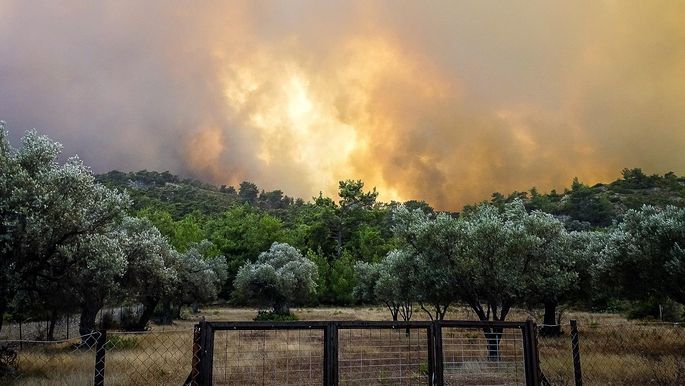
(274, 317)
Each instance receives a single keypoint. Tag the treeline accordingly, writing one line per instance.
(72, 241)
(336, 234)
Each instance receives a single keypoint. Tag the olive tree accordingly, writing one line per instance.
(46, 207)
(152, 267)
(202, 274)
(394, 286)
(280, 277)
(490, 259)
(96, 278)
(645, 254)
(429, 243)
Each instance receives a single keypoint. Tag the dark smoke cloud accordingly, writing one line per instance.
(446, 101)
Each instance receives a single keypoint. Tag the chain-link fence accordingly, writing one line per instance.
(615, 354)
(112, 358)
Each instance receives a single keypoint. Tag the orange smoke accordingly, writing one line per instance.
(441, 101)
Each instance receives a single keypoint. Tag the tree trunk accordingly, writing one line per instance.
(493, 336)
(195, 307)
(167, 313)
(281, 309)
(51, 326)
(3, 308)
(89, 312)
(149, 305)
(394, 310)
(550, 326)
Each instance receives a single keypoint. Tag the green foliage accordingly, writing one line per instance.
(270, 316)
(248, 192)
(644, 256)
(240, 234)
(342, 280)
(655, 309)
(280, 277)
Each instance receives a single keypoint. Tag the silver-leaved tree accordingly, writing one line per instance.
(279, 278)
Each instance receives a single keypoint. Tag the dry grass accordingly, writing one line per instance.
(614, 351)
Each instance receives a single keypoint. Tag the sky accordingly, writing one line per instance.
(442, 101)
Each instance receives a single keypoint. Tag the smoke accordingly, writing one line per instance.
(443, 101)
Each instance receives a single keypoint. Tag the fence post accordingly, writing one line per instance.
(435, 354)
(194, 375)
(438, 358)
(207, 353)
(530, 353)
(575, 346)
(99, 377)
(330, 355)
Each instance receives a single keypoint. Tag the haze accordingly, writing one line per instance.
(445, 101)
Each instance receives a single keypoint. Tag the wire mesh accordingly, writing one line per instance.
(471, 358)
(35, 362)
(632, 354)
(616, 354)
(397, 356)
(148, 358)
(268, 357)
(556, 358)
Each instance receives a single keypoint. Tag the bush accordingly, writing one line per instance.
(274, 317)
(649, 310)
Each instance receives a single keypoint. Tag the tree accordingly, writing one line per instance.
(280, 277)
(240, 234)
(152, 271)
(97, 277)
(553, 265)
(431, 243)
(202, 273)
(644, 256)
(489, 258)
(46, 207)
(394, 286)
(365, 277)
(248, 192)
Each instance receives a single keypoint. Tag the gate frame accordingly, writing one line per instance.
(203, 358)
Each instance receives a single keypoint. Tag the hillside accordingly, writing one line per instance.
(581, 206)
(169, 192)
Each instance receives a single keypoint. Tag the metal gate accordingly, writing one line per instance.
(365, 353)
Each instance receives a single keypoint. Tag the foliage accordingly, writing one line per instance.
(47, 208)
(240, 234)
(644, 256)
(270, 316)
(281, 276)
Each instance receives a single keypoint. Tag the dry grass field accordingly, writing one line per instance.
(614, 351)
